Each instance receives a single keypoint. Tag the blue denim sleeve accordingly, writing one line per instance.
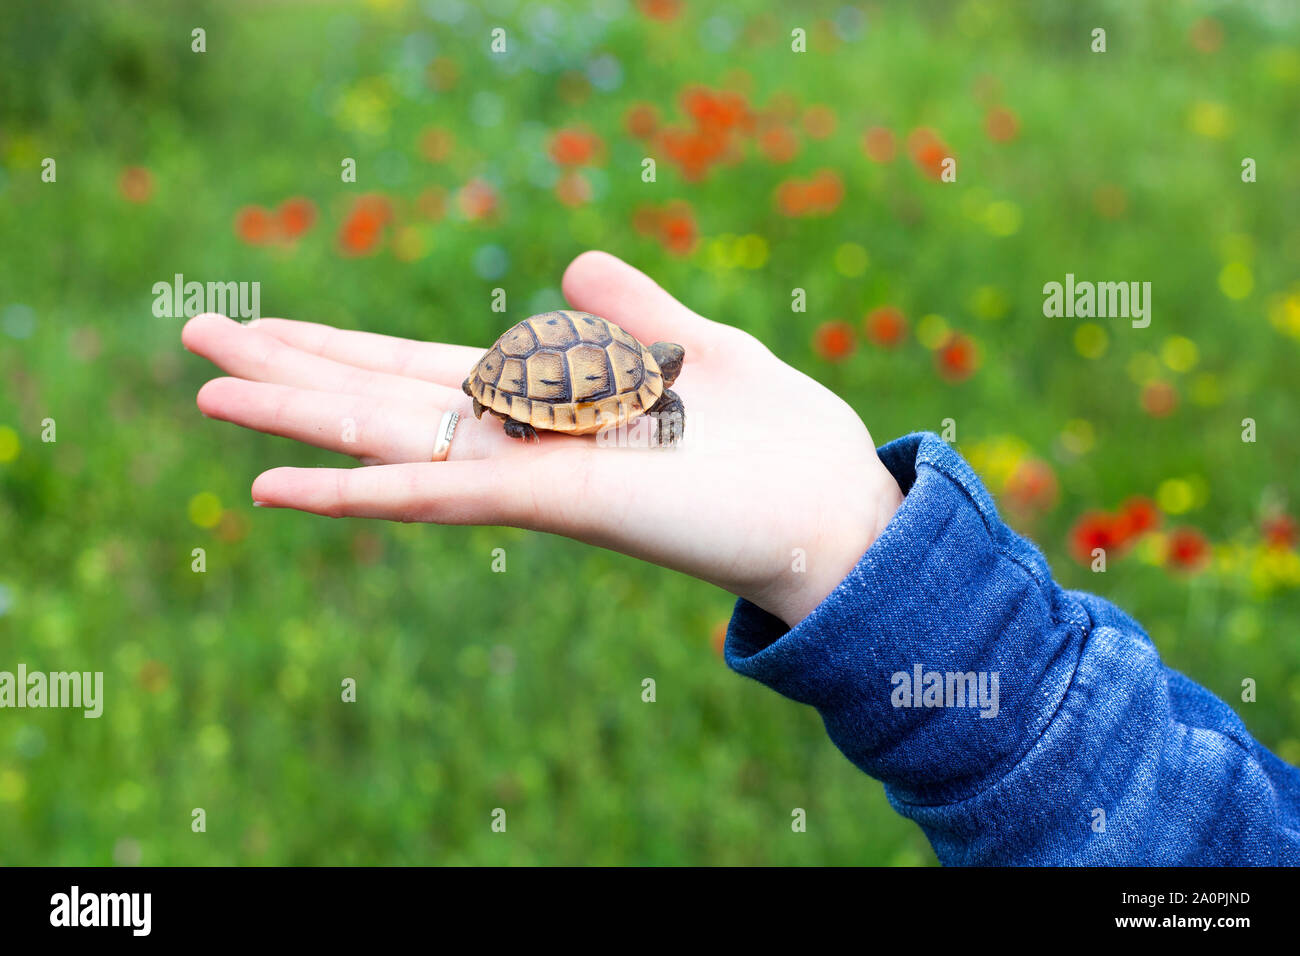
(1015, 721)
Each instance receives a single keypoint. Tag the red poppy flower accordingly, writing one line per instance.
(1001, 124)
(645, 220)
(928, 151)
(1279, 532)
(878, 144)
(820, 195)
(697, 103)
(374, 206)
(255, 225)
(733, 111)
(779, 144)
(136, 184)
(1159, 399)
(746, 121)
(436, 144)
(1136, 517)
(722, 110)
(573, 189)
(364, 227)
(1093, 530)
(704, 147)
(677, 229)
(692, 150)
(1206, 35)
(675, 142)
(477, 199)
(1187, 550)
(360, 234)
(1032, 488)
(663, 10)
(825, 190)
(792, 198)
(641, 121)
(672, 225)
(886, 326)
(819, 121)
(957, 358)
(574, 147)
(833, 340)
(296, 216)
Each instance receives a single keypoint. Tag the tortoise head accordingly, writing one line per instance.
(670, 357)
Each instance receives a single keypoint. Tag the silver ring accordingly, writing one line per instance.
(446, 428)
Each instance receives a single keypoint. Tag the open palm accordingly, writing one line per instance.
(774, 493)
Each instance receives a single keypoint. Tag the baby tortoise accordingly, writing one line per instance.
(575, 372)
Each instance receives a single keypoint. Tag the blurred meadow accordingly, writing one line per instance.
(776, 170)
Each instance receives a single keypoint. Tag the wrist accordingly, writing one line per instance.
(864, 520)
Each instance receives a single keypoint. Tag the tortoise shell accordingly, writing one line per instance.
(568, 372)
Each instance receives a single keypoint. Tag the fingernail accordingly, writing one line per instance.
(259, 504)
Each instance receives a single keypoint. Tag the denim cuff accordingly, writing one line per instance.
(943, 655)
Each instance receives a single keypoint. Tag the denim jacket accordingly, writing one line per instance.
(1015, 721)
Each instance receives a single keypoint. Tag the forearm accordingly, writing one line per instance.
(1074, 724)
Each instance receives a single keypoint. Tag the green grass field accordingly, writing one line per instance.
(775, 171)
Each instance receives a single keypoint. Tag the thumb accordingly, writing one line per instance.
(607, 286)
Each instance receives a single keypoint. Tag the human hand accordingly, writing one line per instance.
(771, 461)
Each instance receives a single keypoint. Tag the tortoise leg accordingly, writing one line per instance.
(520, 430)
(671, 414)
(478, 408)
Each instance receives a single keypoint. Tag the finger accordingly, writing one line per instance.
(432, 361)
(245, 352)
(606, 286)
(370, 429)
(455, 492)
